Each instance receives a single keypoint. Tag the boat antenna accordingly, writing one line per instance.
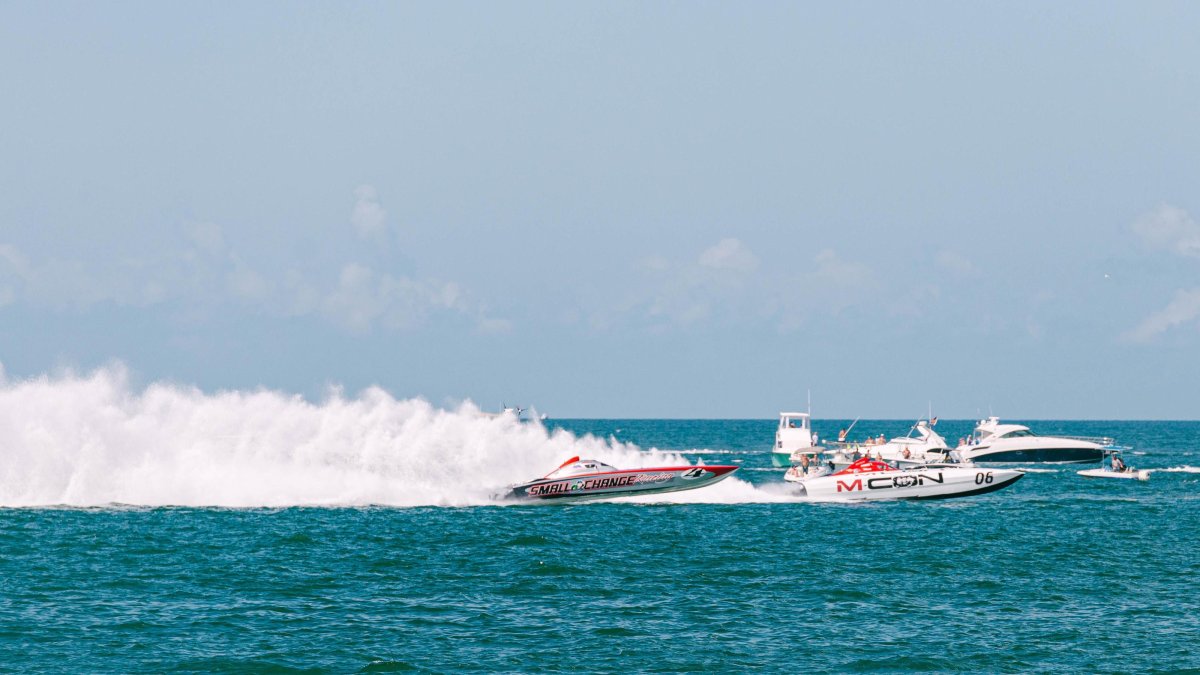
(810, 403)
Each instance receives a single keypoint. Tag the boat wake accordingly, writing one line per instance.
(92, 440)
(1178, 469)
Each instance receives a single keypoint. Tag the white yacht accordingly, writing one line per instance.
(921, 446)
(995, 443)
(793, 435)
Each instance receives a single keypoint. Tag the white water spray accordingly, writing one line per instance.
(91, 440)
(1179, 469)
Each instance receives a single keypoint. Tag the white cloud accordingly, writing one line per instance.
(66, 284)
(493, 326)
(364, 298)
(368, 216)
(954, 262)
(1184, 307)
(12, 262)
(833, 271)
(246, 284)
(729, 254)
(207, 237)
(205, 274)
(1170, 228)
(355, 302)
(916, 302)
(655, 263)
(726, 282)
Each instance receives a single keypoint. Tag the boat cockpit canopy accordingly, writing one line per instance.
(580, 467)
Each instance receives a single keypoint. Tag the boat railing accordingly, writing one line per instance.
(1098, 440)
(850, 445)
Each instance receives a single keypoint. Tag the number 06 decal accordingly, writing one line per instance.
(981, 478)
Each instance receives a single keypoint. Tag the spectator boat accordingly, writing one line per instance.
(996, 443)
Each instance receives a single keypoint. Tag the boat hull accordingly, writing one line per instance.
(609, 484)
(1134, 474)
(1059, 455)
(921, 483)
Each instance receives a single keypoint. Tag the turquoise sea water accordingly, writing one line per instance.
(1057, 574)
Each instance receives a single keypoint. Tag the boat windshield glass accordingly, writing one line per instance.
(1019, 433)
(585, 466)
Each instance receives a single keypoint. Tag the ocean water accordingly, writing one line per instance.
(168, 530)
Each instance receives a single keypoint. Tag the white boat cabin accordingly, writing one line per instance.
(794, 433)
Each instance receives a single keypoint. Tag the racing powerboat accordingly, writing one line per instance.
(589, 479)
(1115, 468)
(794, 435)
(869, 479)
(995, 443)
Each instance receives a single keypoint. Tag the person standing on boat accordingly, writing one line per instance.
(1117, 464)
(841, 435)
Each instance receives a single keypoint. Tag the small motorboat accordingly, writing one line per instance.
(808, 464)
(1106, 472)
(1116, 468)
(589, 479)
(869, 479)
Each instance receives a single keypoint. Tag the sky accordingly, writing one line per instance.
(612, 209)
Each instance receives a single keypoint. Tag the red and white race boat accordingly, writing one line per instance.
(590, 479)
(868, 479)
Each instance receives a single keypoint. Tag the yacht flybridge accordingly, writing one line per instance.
(793, 435)
(995, 443)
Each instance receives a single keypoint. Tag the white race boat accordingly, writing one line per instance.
(1116, 468)
(589, 479)
(995, 443)
(868, 479)
(793, 435)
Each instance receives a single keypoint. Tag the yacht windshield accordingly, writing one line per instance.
(1019, 433)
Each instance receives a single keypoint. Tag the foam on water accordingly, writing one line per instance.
(86, 440)
(1180, 469)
